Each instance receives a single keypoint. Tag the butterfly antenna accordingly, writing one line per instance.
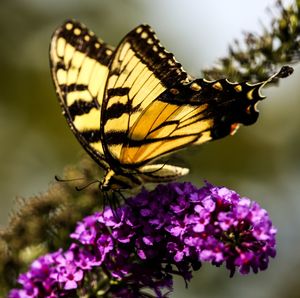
(58, 179)
(87, 185)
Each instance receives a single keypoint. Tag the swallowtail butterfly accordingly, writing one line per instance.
(130, 105)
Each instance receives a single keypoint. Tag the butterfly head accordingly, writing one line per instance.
(115, 182)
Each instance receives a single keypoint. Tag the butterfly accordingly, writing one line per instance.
(130, 105)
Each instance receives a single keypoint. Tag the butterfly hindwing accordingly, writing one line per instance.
(79, 65)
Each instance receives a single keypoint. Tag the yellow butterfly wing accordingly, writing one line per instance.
(151, 107)
(140, 71)
(79, 66)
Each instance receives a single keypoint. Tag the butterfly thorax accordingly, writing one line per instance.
(129, 179)
(114, 181)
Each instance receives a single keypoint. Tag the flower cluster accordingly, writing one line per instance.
(170, 230)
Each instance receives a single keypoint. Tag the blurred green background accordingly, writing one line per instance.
(261, 161)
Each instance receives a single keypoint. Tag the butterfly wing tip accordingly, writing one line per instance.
(285, 71)
(70, 20)
(184, 171)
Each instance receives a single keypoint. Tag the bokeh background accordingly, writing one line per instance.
(261, 161)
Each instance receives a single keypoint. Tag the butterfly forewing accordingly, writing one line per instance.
(141, 123)
(79, 63)
(141, 70)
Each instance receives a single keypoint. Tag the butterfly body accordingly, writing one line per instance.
(131, 105)
(131, 179)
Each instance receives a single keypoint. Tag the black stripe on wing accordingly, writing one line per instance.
(162, 63)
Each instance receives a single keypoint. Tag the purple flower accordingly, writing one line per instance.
(86, 260)
(70, 277)
(37, 282)
(86, 231)
(66, 272)
(172, 229)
